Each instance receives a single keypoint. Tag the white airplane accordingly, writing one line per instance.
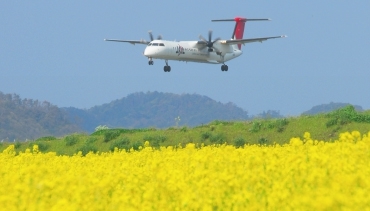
(216, 51)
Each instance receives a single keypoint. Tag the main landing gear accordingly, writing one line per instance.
(224, 67)
(167, 68)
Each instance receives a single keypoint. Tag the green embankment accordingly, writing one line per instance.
(325, 127)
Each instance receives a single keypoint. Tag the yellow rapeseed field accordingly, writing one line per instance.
(305, 174)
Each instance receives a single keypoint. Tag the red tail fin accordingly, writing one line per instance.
(239, 27)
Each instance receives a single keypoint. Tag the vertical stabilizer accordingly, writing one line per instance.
(239, 27)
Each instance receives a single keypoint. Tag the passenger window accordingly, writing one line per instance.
(161, 44)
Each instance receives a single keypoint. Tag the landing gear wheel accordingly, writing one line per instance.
(167, 68)
(151, 62)
(224, 67)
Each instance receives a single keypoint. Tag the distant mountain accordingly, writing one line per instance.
(325, 108)
(22, 119)
(155, 109)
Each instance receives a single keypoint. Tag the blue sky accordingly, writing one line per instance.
(54, 51)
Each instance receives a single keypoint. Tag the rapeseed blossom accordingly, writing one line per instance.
(305, 174)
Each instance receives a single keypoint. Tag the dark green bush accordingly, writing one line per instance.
(219, 138)
(262, 141)
(91, 140)
(46, 138)
(155, 138)
(17, 145)
(256, 126)
(239, 142)
(136, 145)
(346, 115)
(42, 146)
(123, 143)
(86, 148)
(206, 135)
(70, 140)
(110, 135)
(281, 124)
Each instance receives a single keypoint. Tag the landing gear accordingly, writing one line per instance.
(224, 67)
(150, 61)
(167, 68)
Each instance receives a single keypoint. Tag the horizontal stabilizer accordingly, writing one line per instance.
(130, 41)
(250, 40)
(243, 19)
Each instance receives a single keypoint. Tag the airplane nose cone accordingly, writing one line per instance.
(148, 52)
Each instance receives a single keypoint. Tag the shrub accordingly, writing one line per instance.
(46, 138)
(346, 115)
(218, 138)
(256, 126)
(110, 135)
(206, 135)
(239, 142)
(17, 145)
(262, 141)
(158, 138)
(184, 129)
(122, 143)
(42, 146)
(86, 148)
(331, 122)
(136, 145)
(70, 140)
(280, 124)
(91, 140)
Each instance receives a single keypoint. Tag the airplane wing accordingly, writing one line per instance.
(130, 41)
(243, 41)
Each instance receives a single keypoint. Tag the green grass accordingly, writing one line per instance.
(325, 127)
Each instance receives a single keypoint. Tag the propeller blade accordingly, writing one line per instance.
(217, 39)
(150, 35)
(202, 38)
(210, 36)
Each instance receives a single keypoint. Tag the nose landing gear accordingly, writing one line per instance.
(150, 61)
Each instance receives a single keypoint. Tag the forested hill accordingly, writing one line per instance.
(325, 108)
(156, 109)
(22, 119)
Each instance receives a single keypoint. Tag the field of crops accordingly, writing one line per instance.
(305, 174)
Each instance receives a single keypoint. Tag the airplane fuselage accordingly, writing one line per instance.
(189, 51)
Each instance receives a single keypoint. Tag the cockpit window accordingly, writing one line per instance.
(149, 44)
(155, 44)
(161, 44)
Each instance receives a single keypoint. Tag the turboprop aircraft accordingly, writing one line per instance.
(217, 51)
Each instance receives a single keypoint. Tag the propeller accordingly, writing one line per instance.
(209, 43)
(151, 36)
